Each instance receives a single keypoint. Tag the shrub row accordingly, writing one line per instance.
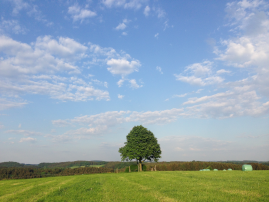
(197, 165)
(25, 173)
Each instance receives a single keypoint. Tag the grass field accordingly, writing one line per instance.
(98, 166)
(143, 186)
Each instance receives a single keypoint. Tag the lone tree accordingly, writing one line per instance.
(141, 145)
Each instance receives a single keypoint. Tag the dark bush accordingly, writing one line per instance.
(134, 168)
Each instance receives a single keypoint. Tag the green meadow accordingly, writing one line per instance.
(97, 166)
(142, 186)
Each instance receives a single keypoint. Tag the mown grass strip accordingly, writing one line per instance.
(143, 186)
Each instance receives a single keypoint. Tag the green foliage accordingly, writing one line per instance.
(118, 164)
(209, 167)
(141, 145)
(71, 164)
(12, 164)
(144, 167)
(25, 173)
(134, 168)
(197, 165)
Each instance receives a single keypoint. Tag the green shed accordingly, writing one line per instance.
(215, 169)
(229, 169)
(247, 167)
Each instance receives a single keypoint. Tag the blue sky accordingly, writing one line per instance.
(76, 76)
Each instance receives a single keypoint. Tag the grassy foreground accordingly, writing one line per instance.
(143, 186)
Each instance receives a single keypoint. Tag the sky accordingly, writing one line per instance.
(77, 76)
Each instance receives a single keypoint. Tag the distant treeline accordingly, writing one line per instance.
(197, 165)
(247, 162)
(53, 165)
(70, 164)
(25, 173)
(19, 172)
(118, 164)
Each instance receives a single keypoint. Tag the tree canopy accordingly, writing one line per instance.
(141, 145)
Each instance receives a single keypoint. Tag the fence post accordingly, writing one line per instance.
(129, 169)
(137, 167)
(155, 168)
(117, 171)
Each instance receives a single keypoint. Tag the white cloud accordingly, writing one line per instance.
(134, 84)
(64, 47)
(22, 64)
(24, 132)
(74, 90)
(200, 74)
(124, 33)
(28, 139)
(166, 25)
(100, 83)
(7, 104)
(120, 96)
(19, 5)
(196, 144)
(82, 133)
(207, 149)
(121, 26)
(159, 69)
(100, 123)
(19, 126)
(32, 10)
(223, 71)
(119, 63)
(24, 59)
(156, 35)
(120, 82)
(250, 48)
(146, 10)
(181, 95)
(199, 81)
(160, 12)
(200, 69)
(175, 96)
(233, 103)
(1, 126)
(61, 123)
(113, 3)
(199, 90)
(156, 117)
(246, 51)
(12, 25)
(134, 4)
(122, 66)
(239, 12)
(37, 14)
(131, 4)
(78, 13)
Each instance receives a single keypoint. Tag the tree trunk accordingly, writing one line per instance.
(140, 165)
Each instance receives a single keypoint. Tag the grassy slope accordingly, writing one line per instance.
(97, 166)
(144, 186)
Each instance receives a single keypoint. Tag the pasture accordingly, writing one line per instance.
(142, 186)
